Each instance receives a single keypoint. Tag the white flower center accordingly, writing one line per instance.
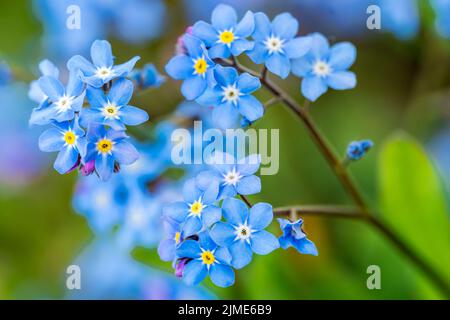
(321, 68)
(64, 103)
(232, 177)
(111, 111)
(274, 44)
(231, 94)
(243, 232)
(196, 208)
(104, 72)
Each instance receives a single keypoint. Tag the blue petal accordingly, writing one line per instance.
(101, 54)
(285, 26)
(225, 116)
(125, 153)
(211, 192)
(260, 216)
(297, 47)
(342, 56)
(96, 97)
(95, 81)
(223, 255)
(80, 63)
(193, 87)
(223, 234)
(305, 246)
(51, 87)
(242, 254)
(250, 108)
(180, 67)
(89, 116)
(301, 67)
(248, 83)
(223, 17)
(263, 28)
(222, 276)
(104, 165)
(47, 68)
(210, 215)
(194, 272)
(121, 92)
(122, 70)
(313, 88)
(320, 48)
(75, 85)
(234, 211)
(219, 50)
(211, 97)
(205, 241)
(278, 64)
(166, 250)
(241, 45)
(246, 26)
(194, 46)
(176, 211)
(205, 32)
(225, 76)
(133, 116)
(259, 53)
(66, 159)
(42, 116)
(249, 185)
(342, 80)
(191, 192)
(77, 103)
(204, 179)
(264, 242)
(249, 165)
(188, 249)
(51, 140)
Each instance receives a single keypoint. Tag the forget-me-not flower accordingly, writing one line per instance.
(67, 138)
(112, 109)
(195, 68)
(107, 147)
(147, 77)
(325, 67)
(232, 96)
(357, 149)
(206, 259)
(225, 36)
(276, 44)
(102, 69)
(197, 210)
(244, 233)
(294, 236)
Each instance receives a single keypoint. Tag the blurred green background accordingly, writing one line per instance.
(401, 102)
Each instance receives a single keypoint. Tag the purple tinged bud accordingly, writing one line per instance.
(180, 48)
(181, 263)
(88, 168)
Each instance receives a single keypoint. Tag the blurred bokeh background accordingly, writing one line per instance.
(401, 103)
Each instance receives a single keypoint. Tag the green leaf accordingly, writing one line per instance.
(413, 200)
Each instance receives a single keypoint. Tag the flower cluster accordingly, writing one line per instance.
(91, 138)
(206, 47)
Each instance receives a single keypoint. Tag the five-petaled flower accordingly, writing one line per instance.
(232, 97)
(195, 68)
(275, 43)
(294, 236)
(325, 67)
(197, 210)
(67, 138)
(173, 238)
(112, 109)
(244, 233)
(225, 35)
(102, 69)
(205, 257)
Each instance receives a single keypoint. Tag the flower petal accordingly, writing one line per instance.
(125, 153)
(75, 85)
(259, 53)
(320, 48)
(223, 234)
(234, 211)
(191, 226)
(101, 54)
(264, 242)
(285, 26)
(205, 32)
(51, 87)
(248, 83)
(66, 159)
(301, 67)
(250, 107)
(278, 64)
(47, 68)
(249, 185)
(260, 216)
(225, 76)
(342, 56)
(188, 249)
(297, 47)
(219, 50)
(104, 165)
(51, 140)
(223, 17)
(225, 116)
(246, 26)
(80, 63)
(342, 80)
(180, 67)
(221, 275)
(121, 92)
(193, 87)
(263, 28)
(194, 272)
(133, 116)
(210, 215)
(166, 249)
(194, 46)
(242, 254)
(96, 97)
(249, 165)
(241, 45)
(191, 192)
(176, 211)
(211, 192)
(313, 88)
(122, 70)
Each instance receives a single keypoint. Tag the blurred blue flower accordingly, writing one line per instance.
(147, 77)
(234, 177)
(276, 44)
(102, 69)
(442, 10)
(232, 97)
(68, 139)
(225, 36)
(173, 237)
(108, 147)
(401, 17)
(325, 67)
(357, 149)
(197, 210)
(207, 259)
(6, 75)
(112, 109)
(294, 236)
(35, 93)
(244, 233)
(195, 68)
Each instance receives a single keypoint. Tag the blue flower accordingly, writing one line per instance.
(173, 237)
(47, 68)
(107, 147)
(60, 103)
(244, 233)
(112, 109)
(293, 236)
(67, 138)
(275, 44)
(207, 259)
(401, 17)
(147, 77)
(102, 69)
(197, 210)
(325, 67)
(442, 9)
(357, 149)
(234, 177)
(195, 68)
(231, 96)
(225, 35)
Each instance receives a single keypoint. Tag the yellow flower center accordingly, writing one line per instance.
(177, 237)
(70, 138)
(196, 208)
(208, 257)
(226, 37)
(200, 66)
(104, 145)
